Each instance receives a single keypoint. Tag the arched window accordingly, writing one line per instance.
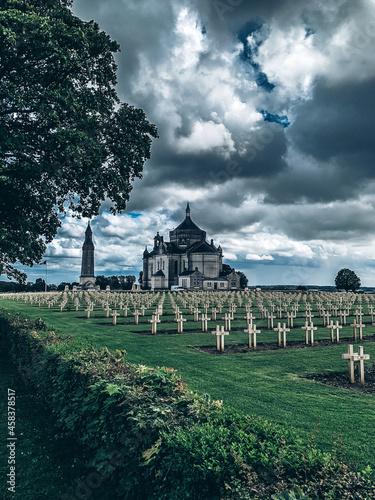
(176, 267)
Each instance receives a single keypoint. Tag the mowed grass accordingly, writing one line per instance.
(269, 384)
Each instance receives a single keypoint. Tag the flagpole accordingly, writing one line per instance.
(45, 285)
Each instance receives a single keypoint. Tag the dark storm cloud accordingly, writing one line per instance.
(331, 222)
(263, 157)
(137, 26)
(338, 126)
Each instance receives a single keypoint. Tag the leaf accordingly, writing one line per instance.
(151, 453)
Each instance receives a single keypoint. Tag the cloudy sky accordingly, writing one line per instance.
(265, 111)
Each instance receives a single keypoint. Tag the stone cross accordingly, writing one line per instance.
(227, 318)
(361, 358)
(180, 323)
(371, 313)
(125, 310)
(336, 327)
(360, 327)
(220, 333)
(213, 313)
(249, 318)
(204, 319)
(196, 314)
(114, 317)
(332, 327)
(355, 326)
(136, 316)
(309, 328)
(107, 311)
(359, 313)
(88, 311)
(290, 316)
(157, 315)
(270, 318)
(252, 331)
(326, 317)
(342, 316)
(350, 357)
(279, 331)
(154, 321)
(308, 315)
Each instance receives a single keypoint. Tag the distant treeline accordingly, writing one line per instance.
(115, 282)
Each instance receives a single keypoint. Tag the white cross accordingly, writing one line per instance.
(136, 316)
(361, 358)
(309, 328)
(252, 331)
(154, 321)
(204, 319)
(219, 332)
(227, 319)
(180, 323)
(350, 357)
(114, 317)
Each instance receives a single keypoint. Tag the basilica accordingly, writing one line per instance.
(187, 261)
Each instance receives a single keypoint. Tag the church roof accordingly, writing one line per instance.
(221, 278)
(172, 248)
(188, 225)
(202, 247)
(160, 273)
(186, 273)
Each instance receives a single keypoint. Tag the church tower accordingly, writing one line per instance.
(87, 278)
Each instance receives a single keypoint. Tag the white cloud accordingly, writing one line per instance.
(253, 256)
(206, 136)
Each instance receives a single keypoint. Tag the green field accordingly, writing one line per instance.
(269, 384)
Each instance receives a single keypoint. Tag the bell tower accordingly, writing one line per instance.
(87, 278)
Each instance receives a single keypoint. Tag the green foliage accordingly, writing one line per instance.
(115, 282)
(296, 494)
(152, 438)
(347, 280)
(226, 270)
(243, 280)
(65, 138)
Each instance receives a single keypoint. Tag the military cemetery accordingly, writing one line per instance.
(274, 354)
(183, 214)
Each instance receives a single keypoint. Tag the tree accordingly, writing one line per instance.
(226, 270)
(140, 279)
(115, 282)
(62, 285)
(347, 280)
(243, 280)
(66, 141)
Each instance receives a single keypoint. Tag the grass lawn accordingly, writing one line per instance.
(268, 384)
